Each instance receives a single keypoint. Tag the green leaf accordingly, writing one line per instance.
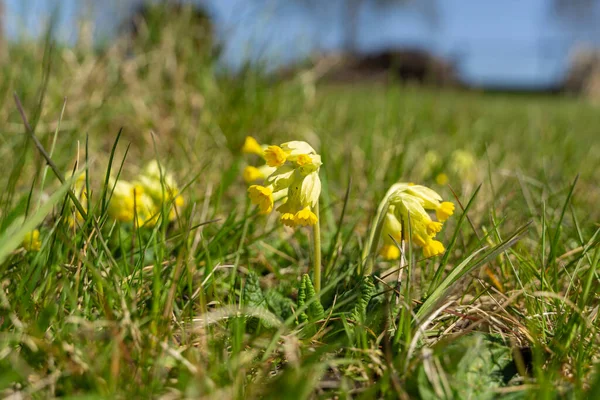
(469, 368)
(252, 295)
(315, 308)
(253, 299)
(279, 304)
(442, 290)
(307, 295)
(367, 289)
(302, 317)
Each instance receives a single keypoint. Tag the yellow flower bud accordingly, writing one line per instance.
(252, 174)
(251, 146)
(390, 252)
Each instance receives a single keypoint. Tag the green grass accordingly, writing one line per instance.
(209, 305)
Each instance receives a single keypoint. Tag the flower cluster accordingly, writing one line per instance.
(461, 164)
(408, 204)
(142, 200)
(295, 175)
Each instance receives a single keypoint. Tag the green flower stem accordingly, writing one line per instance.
(401, 269)
(317, 250)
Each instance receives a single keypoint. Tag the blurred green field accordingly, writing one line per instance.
(206, 306)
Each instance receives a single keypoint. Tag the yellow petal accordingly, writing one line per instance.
(252, 174)
(288, 219)
(444, 211)
(433, 227)
(251, 146)
(390, 252)
(275, 156)
(305, 217)
(303, 159)
(262, 197)
(433, 248)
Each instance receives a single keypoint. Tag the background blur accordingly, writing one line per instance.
(418, 91)
(508, 45)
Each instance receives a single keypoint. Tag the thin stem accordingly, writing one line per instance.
(401, 269)
(317, 250)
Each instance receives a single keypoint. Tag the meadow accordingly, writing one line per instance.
(209, 298)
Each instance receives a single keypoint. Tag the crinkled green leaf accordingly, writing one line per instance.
(252, 295)
(307, 295)
(279, 304)
(472, 367)
(367, 289)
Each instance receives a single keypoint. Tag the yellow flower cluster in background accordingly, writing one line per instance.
(142, 200)
(295, 174)
(409, 204)
(129, 201)
(461, 165)
(31, 241)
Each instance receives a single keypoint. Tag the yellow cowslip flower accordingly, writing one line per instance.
(392, 228)
(408, 204)
(297, 173)
(251, 146)
(275, 156)
(31, 241)
(262, 196)
(304, 217)
(162, 188)
(129, 201)
(253, 174)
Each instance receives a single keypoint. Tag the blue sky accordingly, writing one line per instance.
(491, 43)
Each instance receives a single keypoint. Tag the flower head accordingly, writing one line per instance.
(295, 174)
(408, 210)
(275, 156)
(305, 217)
(303, 195)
